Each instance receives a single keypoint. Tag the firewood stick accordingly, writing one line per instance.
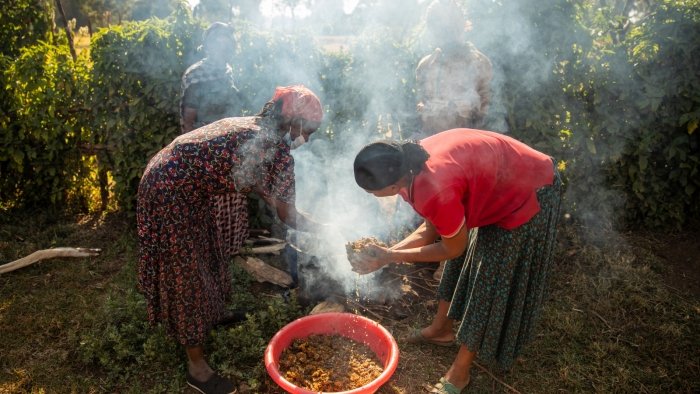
(48, 254)
(274, 249)
(504, 384)
(263, 272)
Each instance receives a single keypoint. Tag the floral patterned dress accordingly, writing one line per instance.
(209, 87)
(182, 271)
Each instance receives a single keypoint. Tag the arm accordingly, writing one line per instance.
(425, 234)
(447, 248)
(239, 103)
(189, 104)
(289, 214)
(484, 90)
(189, 115)
(377, 257)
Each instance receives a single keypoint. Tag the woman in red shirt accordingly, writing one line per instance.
(461, 181)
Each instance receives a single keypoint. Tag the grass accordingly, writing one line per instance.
(611, 323)
(613, 326)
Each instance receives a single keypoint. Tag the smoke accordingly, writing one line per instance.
(380, 92)
(326, 189)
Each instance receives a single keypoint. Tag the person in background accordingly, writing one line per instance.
(493, 286)
(182, 271)
(209, 94)
(453, 83)
(208, 89)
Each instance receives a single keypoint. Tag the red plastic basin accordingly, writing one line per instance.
(355, 327)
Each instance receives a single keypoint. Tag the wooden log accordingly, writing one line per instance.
(261, 240)
(272, 249)
(263, 272)
(327, 306)
(48, 254)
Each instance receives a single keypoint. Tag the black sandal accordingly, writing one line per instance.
(215, 385)
(232, 317)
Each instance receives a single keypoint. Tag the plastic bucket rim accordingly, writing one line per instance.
(271, 364)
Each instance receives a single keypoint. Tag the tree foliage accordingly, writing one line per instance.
(661, 161)
(609, 97)
(24, 22)
(136, 89)
(635, 111)
(40, 159)
(145, 9)
(608, 89)
(214, 10)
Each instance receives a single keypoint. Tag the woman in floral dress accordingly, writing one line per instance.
(182, 270)
(494, 283)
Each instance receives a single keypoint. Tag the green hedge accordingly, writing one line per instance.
(40, 159)
(136, 88)
(660, 164)
(617, 105)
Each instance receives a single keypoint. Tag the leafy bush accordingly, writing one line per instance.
(24, 23)
(374, 79)
(136, 84)
(661, 162)
(632, 153)
(122, 344)
(265, 60)
(614, 100)
(238, 351)
(40, 159)
(617, 108)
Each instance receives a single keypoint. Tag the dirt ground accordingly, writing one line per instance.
(622, 318)
(680, 255)
(676, 257)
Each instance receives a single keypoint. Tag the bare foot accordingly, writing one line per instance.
(438, 335)
(459, 377)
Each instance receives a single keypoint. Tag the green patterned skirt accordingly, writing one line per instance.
(497, 286)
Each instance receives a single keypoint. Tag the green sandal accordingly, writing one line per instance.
(445, 387)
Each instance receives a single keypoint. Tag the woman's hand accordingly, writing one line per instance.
(292, 217)
(370, 259)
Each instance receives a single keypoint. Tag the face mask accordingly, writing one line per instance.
(287, 139)
(299, 141)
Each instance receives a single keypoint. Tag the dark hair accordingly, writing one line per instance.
(272, 111)
(216, 29)
(446, 16)
(383, 163)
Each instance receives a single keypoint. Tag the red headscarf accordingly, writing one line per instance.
(299, 102)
